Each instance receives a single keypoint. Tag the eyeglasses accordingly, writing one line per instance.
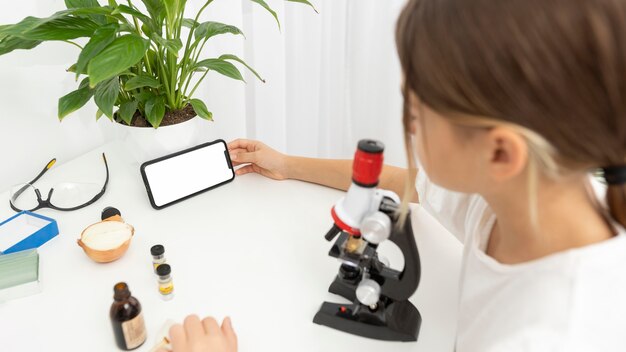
(68, 196)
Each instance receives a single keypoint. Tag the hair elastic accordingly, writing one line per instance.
(615, 175)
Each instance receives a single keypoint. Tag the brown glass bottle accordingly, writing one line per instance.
(128, 324)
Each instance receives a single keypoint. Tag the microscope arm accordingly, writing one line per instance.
(409, 279)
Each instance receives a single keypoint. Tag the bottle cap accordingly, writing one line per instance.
(164, 270)
(108, 212)
(157, 250)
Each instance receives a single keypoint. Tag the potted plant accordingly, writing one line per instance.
(140, 65)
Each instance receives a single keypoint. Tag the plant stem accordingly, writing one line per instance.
(71, 42)
(164, 76)
(195, 60)
(185, 59)
(198, 83)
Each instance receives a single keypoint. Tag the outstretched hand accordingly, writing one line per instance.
(260, 158)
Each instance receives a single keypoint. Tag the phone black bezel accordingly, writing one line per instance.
(169, 156)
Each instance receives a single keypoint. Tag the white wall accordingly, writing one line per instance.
(333, 78)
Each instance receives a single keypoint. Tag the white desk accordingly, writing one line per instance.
(253, 249)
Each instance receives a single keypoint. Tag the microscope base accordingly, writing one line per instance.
(401, 321)
(343, 289)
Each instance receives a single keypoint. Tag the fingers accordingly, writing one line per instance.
(243, 144)
(210, 326)
(229, 332)
(243, 157)
(233, 155)
(193, 327)
(178, 338)
(245, 170)
(205, 333)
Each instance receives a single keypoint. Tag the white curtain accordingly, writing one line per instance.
(332, 79)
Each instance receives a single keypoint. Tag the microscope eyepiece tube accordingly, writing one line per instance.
(368, 163)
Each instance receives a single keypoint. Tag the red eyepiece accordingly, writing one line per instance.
(368, 163)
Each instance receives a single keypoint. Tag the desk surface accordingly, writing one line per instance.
(253, 249)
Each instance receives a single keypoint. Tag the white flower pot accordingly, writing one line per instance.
(147, 143)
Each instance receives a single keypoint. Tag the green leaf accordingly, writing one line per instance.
(10, 43)
(143, 96)
(64, 28)
(99, 114)
(106, 95)
(154, 7)
(74, 100)
(121, 54)
(101, 38)
(172, 45)
(59, 26)
(28, 24)
(80, 11)
(127, 111)
(70, 4)
(221, 66)
(152, 58)
(155, 110)
(135, 13)
(125, 27)
(209, 29)
(156, 11)
(142, 81)
(79, 4)
(235, 58)
(189, 23)
(269, 9)
(73, 69)
(305, 2)
(201, 109)
(172, 9)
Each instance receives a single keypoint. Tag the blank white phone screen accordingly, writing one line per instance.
(177, 177)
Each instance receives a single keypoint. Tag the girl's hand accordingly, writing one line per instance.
(203, 336)
(262, 159)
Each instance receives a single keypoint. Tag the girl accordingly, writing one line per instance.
(509, 104)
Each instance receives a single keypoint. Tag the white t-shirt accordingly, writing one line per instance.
(572, 301)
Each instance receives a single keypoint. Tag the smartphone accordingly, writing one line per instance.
(182, 175)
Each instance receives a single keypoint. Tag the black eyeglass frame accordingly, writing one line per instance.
(47, 203)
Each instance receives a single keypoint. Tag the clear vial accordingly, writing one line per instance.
(158, 256)
(166, 285)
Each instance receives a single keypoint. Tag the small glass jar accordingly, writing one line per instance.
(166, 285)
(158, 256)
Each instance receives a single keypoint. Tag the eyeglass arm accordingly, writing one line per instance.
(45, 169)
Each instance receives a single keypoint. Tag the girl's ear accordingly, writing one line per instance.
(507, 154)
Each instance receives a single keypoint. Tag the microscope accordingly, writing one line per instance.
(363, 219)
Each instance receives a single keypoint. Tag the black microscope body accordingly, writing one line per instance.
(380, 295)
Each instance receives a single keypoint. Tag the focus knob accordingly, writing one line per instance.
(376, 228)
(368, 292)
